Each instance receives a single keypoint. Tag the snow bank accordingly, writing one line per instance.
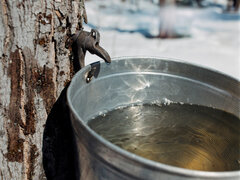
(213, 40)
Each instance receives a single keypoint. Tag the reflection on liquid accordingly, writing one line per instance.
(187, 136)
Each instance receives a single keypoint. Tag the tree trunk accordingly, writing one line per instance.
(34, 68)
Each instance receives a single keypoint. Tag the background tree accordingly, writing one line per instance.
(34, 68)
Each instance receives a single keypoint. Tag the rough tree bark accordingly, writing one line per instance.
(34, 68)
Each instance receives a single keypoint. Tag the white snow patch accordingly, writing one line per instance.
(213, 35)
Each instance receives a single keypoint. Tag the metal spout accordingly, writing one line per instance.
(92, 45)
(102, 53)
(84, 41)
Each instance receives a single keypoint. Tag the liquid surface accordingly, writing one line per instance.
(187, 136)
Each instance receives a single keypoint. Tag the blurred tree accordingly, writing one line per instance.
(167, 19)
(233, 4)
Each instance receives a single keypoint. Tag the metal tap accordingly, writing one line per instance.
(84, 41)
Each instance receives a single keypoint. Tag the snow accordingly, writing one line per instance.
(212, 36)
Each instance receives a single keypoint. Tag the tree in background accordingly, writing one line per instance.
(167, 19)
(233, 4)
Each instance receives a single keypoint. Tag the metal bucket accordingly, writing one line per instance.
(133, 80)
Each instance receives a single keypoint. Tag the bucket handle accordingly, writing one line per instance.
(95, 69)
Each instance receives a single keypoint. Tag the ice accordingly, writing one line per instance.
(167, 101)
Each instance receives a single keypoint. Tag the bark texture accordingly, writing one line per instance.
(34, 68)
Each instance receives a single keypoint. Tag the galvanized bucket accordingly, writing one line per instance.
(99, 87)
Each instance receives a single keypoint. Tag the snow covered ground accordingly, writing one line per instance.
(213, 37)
